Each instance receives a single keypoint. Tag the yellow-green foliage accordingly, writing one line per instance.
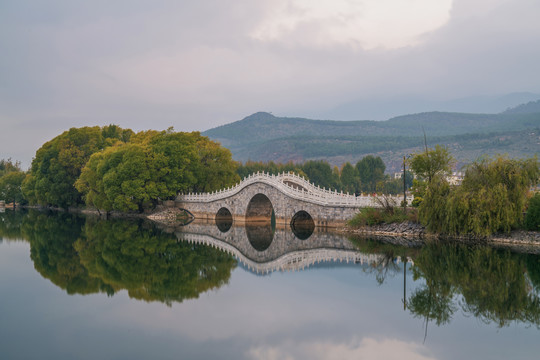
(491, 198)
(156, 165)
(376, 216)
(58, 163)
(532, 220)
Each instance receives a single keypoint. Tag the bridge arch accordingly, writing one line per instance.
(259, 209)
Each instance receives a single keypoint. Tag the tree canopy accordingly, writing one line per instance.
(116, 169)
(432, 162)
(371, 171)
(58, 164)
(491, 198)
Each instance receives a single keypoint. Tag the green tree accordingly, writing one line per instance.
(214, 168)
(156, 165)
(350, 179)
(58, 164)
(492, 196)
(371, 171)
(10, 187)
(127, 177)
(432, 162)
(8, 165)
(320, 173)
(532, 220)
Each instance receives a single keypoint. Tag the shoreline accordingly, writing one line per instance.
(415, 230)
(168, 216)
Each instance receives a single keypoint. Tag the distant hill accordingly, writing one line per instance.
(383, 109)
(528, 108)
(263, 136)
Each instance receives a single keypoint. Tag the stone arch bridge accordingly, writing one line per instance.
(287, 198)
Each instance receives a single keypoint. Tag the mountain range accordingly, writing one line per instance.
(264, 137)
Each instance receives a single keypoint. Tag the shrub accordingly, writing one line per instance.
(376, 216)
(532, 220)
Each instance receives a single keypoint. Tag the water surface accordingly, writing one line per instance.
(76, 287)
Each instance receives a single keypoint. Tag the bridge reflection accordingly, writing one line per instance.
(265, 249)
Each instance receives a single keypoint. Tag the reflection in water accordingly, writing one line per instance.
(89, 255)
(92, 255)
(491, 284)
(260, 236)
(224, 220)
(302, 225)
(224, 225)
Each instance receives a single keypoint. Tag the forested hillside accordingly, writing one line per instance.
(264, 137)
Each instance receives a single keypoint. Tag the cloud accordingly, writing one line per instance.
(367, 348)
(363, 23)
(198, 64)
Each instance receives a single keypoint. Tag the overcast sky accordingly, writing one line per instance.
(198, 64)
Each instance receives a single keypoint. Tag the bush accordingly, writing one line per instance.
(376, 216)
(532, 220)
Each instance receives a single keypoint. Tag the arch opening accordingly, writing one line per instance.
(302, 225)
(259, 210)
(224, 219)
(260, 222)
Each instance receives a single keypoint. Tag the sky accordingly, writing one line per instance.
(194, 65)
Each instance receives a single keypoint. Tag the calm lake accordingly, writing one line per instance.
(75, 287)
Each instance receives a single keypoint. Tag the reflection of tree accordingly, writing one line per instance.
(51, 238)
(389, 252)
(10, 224)
(149, 264)
(492, 283)
(92, 256)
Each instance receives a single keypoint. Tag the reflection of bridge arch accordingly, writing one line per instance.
(302, 225)
(288, 194)
(285, 253)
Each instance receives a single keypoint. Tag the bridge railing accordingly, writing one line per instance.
(304, 191)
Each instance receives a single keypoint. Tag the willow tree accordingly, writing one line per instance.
(491, 198)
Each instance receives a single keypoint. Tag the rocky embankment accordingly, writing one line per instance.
(404, 229)
(414, 230)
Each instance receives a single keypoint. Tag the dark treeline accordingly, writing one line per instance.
(366, 176)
